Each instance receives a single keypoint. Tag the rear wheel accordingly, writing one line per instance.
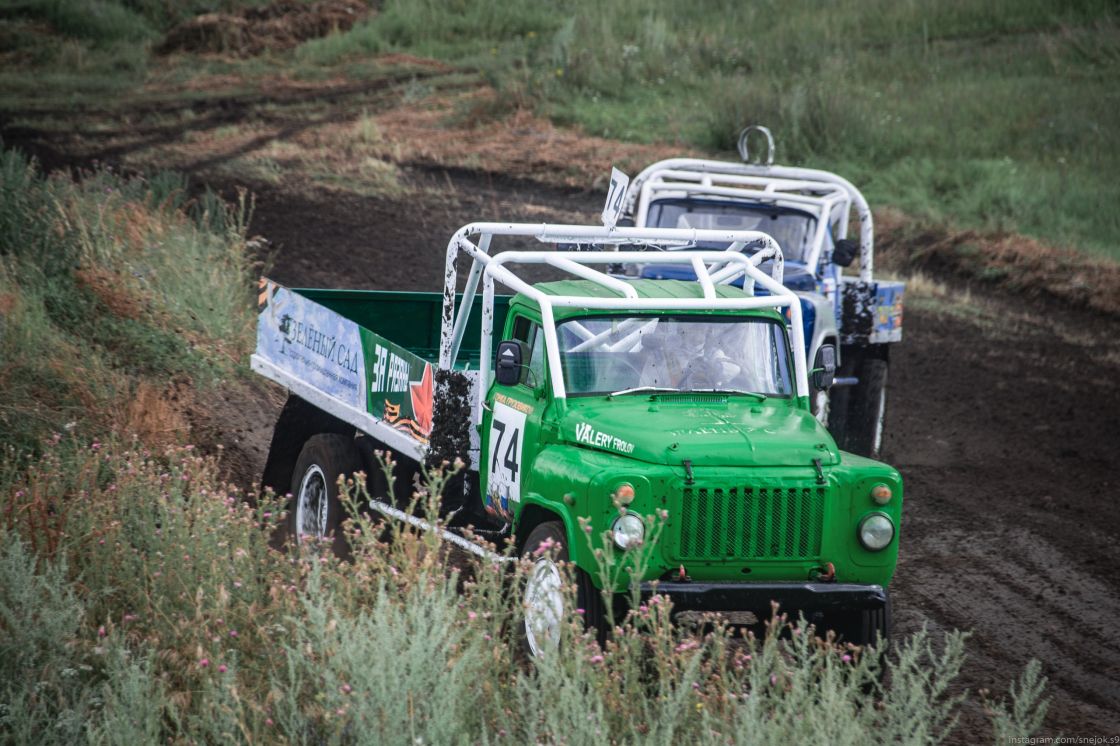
(544, 597)
(316, 511)
(868, 409)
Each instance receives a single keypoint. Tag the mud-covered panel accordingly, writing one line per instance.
(871, 312)
(857, 311)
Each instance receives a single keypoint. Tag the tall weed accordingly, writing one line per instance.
(175, 618)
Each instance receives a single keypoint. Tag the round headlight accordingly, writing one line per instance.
(876, 531)
(628, 530)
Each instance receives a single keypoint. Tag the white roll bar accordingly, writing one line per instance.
(711, 268)
(863, 210)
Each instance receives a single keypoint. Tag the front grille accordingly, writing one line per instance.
(751, 522)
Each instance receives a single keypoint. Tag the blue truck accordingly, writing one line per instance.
(851, 315)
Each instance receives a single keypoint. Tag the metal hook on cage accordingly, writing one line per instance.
(745, 135)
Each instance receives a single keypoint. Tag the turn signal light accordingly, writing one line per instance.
(881, 494)
(624, 493)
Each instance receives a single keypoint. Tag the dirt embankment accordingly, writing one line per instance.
(279, 25)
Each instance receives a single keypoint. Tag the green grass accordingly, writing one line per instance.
(998, 115)
(107, 285)
(154, 609)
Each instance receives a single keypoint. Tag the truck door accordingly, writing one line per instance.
(511, 426)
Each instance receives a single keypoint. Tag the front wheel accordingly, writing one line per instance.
(875, 625)
(316, 510)
(544, 597)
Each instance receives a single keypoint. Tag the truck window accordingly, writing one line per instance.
(792, 229)
(530, 333)
(605, 354)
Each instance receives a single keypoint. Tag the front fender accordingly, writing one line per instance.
(562, 476)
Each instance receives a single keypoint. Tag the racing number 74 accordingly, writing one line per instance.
(509, 459)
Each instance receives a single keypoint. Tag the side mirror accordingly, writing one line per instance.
(824, 368)
(845, 251)
(508, 362)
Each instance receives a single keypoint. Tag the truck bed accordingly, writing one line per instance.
(365, 356)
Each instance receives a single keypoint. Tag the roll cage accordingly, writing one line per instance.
(711, 267)
(823, 194)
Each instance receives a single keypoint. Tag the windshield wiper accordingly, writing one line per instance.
(639, 389)
(757, 395)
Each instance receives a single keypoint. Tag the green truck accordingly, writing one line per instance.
(668, 419)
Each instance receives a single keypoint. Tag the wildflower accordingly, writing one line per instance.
(268, 721)
(846, 658)
(101, 631)
(596, 659)
(204, 663)
(222, 668)
(95, 447)
(233, 633)
(773, 679)
(581, 612)
(471, 615)
(346, 689)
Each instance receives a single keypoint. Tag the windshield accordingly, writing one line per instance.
(614, 354)
(792, 230)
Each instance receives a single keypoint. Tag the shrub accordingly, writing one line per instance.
(169, 614)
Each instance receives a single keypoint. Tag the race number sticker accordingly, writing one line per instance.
(616, 198)
(507, 433)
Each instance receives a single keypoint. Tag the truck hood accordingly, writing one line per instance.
(705, 429)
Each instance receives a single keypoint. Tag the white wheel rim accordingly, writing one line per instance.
(821, 402)
(311, 504)
(544, 607)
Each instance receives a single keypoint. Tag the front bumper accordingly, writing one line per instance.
(835, 606)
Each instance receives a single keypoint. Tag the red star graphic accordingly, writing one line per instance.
(421, 393)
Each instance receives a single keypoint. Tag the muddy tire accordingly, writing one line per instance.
(316, 510)
(868, 409)
(544, 598)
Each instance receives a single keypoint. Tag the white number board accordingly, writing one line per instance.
(503, 462)
(616, 198)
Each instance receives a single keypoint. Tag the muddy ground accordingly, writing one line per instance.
(1002, 419)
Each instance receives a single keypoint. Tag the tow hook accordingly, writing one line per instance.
(688, 478)
(820, 471)
(825, 574)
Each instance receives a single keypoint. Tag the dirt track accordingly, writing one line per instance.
(1002, 420)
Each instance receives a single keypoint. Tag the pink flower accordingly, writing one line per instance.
(596, 659)
(101, 632)
(204, 663)
(773, 679)
(581, 612)
(471, 615)
(846, 658)
(233, 633)
(268, 721)
(222, 668)
(346, 689)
